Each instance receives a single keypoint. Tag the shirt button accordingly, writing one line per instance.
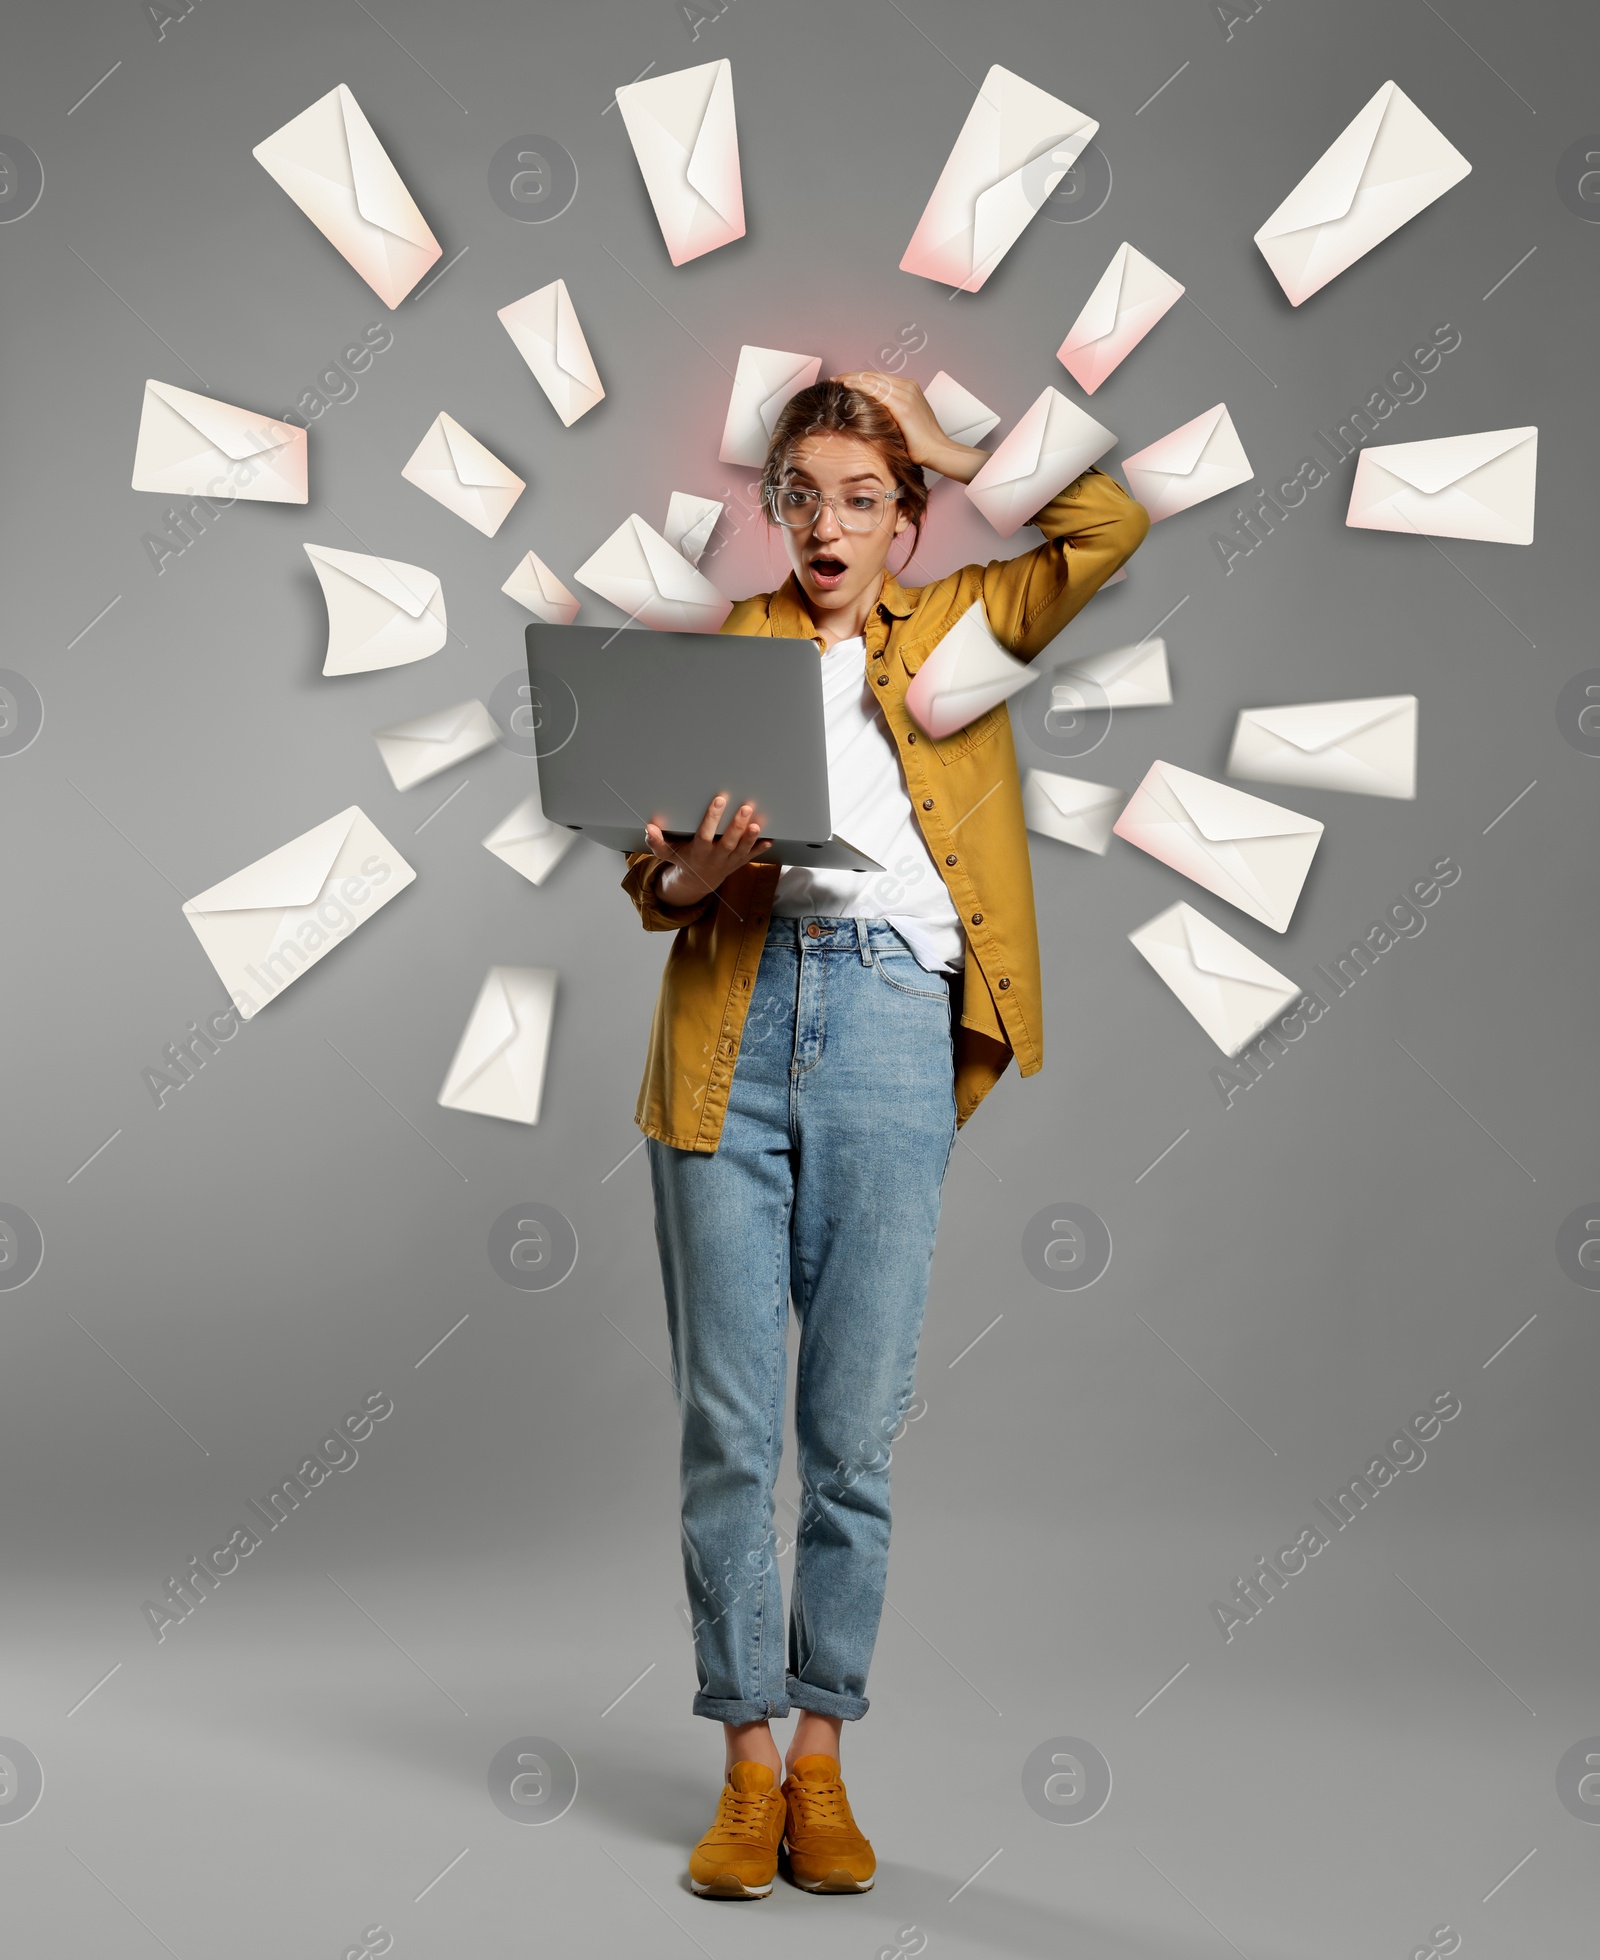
(911, 737)
(927, 803)
(883, 680)
(977, 918)
(814, 932)
(1004, 984)
(951, 858)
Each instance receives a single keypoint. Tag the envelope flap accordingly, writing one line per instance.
(1018, 455)
(1071, 795)
(471, 462)
(716, 141)
(407, 586)
(954, 407)
(1215, 951)
(381, 198)
(1328, 189)
(223, 426)
(491, 1030)
(1099, 314)
(1434, 466)
(1117, 662)
(572, 349)
(670, 572)
(1316, 725)
(1179, 452)
(526, 821)
(1226, 815)
(292, 875)
(443, 725)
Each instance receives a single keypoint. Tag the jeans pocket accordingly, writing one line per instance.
(907, 975)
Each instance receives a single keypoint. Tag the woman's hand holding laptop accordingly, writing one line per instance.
(699, 864)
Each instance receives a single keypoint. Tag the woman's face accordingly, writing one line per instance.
(835, 566)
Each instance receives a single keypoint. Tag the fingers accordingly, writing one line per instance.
(735, 834)
(708, 823)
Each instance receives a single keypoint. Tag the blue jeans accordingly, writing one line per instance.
(824, 1186)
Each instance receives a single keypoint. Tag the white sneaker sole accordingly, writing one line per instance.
(729, 1887)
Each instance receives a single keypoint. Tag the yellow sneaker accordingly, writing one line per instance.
(737, 1857)
(827, 1852)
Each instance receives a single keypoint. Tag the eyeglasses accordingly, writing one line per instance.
(862, 510)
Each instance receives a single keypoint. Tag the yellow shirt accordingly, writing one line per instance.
(968, 800)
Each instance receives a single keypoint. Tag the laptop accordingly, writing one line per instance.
(636, 726)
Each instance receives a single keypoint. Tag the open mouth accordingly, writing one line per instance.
(826, 570)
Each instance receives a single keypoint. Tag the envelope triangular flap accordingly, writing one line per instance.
(1316, 725)
(407, 586)
(955, 407)
(488, 1033)
(1102, 668)
(1071, 795)
(471, 462)
(381, 198)
(572, 349)
(443, 725)
(1329, 188)
(1019, 453)
(670, 572)
(522, 824)
(219, 422)
(1218, 952)
(715, 147)
(292, 875)
(1181, 451)
(1099, 313)
(1224, 815)
(1433, 466)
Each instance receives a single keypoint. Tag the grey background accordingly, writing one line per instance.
(302, 1225)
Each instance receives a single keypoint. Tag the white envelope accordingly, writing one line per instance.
(682, 130)
(336, 170)
(1126, 677)
(1388, 165)
(1053, 444)
(1199, 460)
(529, 842)
(1070, 810)
(192, 446)
(499, 1064)
(413, 751)
(763, 382)
(958, 412)
(966, 675)
(1231, 992)
(381, 613)
(545, 328)
(457, 471)
(1132, 295)
(1368, 747)
(1015, 146)
(265, 925)
(1253, 853)
(656, 586)
(535, 586)
(690, 522)
(1478, 486)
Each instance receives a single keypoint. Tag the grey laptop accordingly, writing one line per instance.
(636, 725)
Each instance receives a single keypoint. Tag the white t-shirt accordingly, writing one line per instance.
(872, 810)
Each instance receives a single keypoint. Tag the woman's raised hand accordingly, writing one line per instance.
(699, 865)
(906, 402)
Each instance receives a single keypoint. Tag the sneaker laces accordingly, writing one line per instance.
(823, 1807)
(741, 1811)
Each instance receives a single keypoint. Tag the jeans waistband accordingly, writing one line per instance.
(820, 933)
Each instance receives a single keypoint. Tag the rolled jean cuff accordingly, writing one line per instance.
(719, 1709)
(823, 1701)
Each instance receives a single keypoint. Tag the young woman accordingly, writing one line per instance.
(818, 1038)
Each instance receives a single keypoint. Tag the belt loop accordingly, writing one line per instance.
(863, 942)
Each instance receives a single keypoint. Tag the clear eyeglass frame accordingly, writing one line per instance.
(848, 520)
